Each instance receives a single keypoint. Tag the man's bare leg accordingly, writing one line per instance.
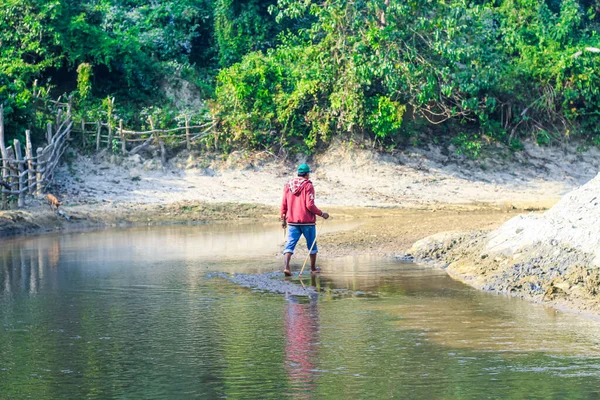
(313, 264)
(286, 259)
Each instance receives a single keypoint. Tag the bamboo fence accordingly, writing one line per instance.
(115, 137)
(24, 173)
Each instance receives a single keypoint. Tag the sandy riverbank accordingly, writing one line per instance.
(381, 231)
(343, 177)
(107, 190)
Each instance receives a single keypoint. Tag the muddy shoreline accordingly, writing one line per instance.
(40, 220)
(549, 257)
(560, 277)
(381, 231)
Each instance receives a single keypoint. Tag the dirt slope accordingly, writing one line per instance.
(343, 176)
(552, 257)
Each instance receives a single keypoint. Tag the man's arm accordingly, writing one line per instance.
(284, 205)
(310, 202)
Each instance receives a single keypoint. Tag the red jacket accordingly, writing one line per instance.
(298, 204)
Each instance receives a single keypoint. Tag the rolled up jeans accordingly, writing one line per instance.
(294, 233)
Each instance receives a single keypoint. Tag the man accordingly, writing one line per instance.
(299, 212)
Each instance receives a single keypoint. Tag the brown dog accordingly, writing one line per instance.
(53, 201)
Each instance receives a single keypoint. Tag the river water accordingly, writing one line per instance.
(133, 313)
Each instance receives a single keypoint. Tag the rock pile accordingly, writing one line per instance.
(573, 223)
(551, 257)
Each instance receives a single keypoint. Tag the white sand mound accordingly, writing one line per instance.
(574, 222)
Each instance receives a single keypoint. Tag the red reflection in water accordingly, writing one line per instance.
(302, 339)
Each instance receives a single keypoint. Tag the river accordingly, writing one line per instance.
(134, 313)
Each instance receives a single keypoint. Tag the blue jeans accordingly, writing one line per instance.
(294, 233)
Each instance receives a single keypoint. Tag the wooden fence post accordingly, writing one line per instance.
(39, 176)
(69, 106)
(49, 133)
(59, 116)
(163, 152)
(110, 135)
(83, 137)
(12, 169)
(4, 155)
(30, 167)
(98, 136)
(20, 170)
(187, 133)
(123, 143)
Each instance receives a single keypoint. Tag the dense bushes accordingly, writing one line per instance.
(295, 74)
(130, 49)
(486, 70)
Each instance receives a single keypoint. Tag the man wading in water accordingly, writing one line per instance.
(298, 210)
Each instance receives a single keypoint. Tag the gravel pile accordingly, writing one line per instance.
(572, 223)
(552, 257)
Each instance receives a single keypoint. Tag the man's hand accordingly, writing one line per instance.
(283, 222)
(325, 215)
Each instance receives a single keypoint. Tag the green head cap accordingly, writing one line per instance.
(304, 169)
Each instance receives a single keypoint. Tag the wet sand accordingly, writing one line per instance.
(378, 231)
(390, 232)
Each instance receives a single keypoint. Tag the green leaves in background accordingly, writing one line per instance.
(294, 75)
(499, 70)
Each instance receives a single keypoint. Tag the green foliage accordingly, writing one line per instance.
(385, 118)
(296, 74)
(242, 27)
(482, 68)
(28, 48)
(550, 53)
(108, 107)
(250, 86)
(543, 138)
(468, 145)
(115, 146)
(515, 145)
(96, 48)
(84, 81)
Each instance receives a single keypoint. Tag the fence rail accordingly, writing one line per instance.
(28, 174)
(106, 135)
(130, 142)
(24, 173)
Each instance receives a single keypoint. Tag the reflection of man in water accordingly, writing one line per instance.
(301, 333)
(298, 210)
